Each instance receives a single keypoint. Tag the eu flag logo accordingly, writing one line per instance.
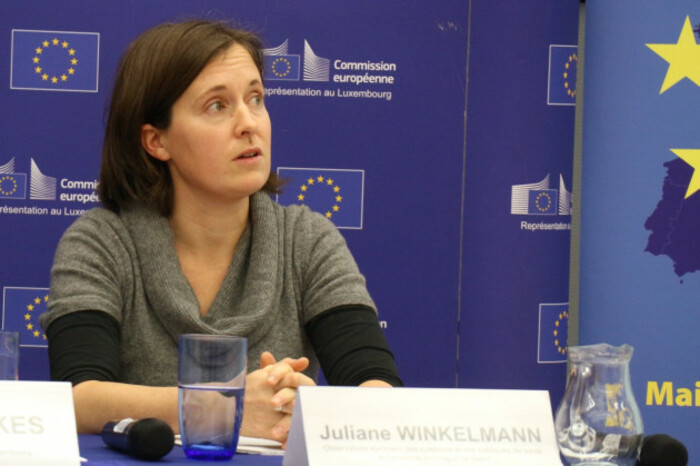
(563, 64)
(282, 67)
(336, 194)
(21, 310)
(553, 332)
(13, 185)
(54, 60)
(543, 202)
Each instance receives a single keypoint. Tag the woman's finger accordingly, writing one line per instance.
(280, 431)
(266, 359)
(298, 364)
(295, 379)
(278, 372)
(283, 400)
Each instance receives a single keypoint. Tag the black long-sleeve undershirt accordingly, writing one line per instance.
(348, 341)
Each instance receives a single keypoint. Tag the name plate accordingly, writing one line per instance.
(37, 424)
(421, 426)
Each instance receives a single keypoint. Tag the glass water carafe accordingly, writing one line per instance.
(598, 420)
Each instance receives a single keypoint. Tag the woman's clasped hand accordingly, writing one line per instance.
(270, 395)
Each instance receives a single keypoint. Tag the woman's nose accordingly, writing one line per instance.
(244, 120)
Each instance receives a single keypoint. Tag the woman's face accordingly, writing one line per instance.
(218, 143)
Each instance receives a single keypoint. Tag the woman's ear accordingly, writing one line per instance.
(151, 140)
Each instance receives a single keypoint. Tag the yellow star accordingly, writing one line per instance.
(71, 52)
(320, 178)
(683, 57)
(36, 333)
(556, 333)
(37, 300)
(64, 77)
(336, 189)
(30, 307)
(38, 50)
(38, 69)
(300, 197)
(310, 181)
(303, 187)
(74, 61)
(71, 71)
(692, 158)
(54, 79)
(46, 298)
(338, 198)
(35, 59)
(30, 326)
(556, 324)
(336, 208)
(55, 42)
(27, 317)
(329, 215)
(64, 45)
(45, 43)
(329, 181)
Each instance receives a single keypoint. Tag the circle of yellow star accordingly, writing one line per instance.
(8, 190)
(31, 308)
(321, 181)
(543, 202)
(561, 344)
(54, 79)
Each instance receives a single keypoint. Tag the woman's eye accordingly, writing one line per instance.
(258, 100)
(215, 106)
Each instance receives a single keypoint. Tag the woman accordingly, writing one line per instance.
(190, 242)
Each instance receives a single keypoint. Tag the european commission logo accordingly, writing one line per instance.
(280, 65)
(54, 60)
(539, 199)
(336, 194)
(553, 333)
(14, 185)
(561, 84)
(21, 308)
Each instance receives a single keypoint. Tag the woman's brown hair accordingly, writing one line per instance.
(154, 72)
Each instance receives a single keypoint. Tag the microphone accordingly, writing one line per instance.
(662, 450)
(147, 439)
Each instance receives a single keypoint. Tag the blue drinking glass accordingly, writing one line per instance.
(211, 386)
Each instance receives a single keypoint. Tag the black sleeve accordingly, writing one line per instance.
(351, 346)
(84, 346)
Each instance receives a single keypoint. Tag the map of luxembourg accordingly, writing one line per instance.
(675, 223)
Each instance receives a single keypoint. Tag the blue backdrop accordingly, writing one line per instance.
(640, 247)
(517, 210)
(447, 126)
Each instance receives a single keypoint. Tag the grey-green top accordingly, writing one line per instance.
(290, 265)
